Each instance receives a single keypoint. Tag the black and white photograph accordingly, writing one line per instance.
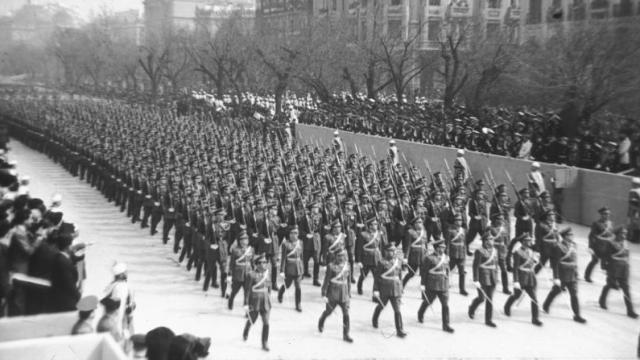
(319, 179)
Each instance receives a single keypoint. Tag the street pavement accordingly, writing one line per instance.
(167, 295)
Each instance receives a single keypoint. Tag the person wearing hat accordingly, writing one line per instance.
(485, 279)
(311, 226)
(497, 230)
(387, 287)
(336, 291)
(456, 249)
(435, 209)
(63, 294)
(351, 225)
(291, 265)
(478, 217)
(368, 246)
(524, 279)
(238, 265)
(523, 210)
(616, 255)
(565, 274)
(546, 237)
(394, 158)
(86, 312)
(257, 299)
(600, 235)
(332, 241)
(415, 248)
(434, 274)
(536, 178)
(337, 143)
(109, 323)
(460, 166)
(217, 240)
(119, 289)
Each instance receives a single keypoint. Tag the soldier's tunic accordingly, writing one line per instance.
(617, 260)
(457, 250)
(524, 273)
(600, 235)
(239, 266)
(565, 269)
(415, 249)
(485, 271)
(312, 244)
(336, 287)
(434, 272)
(368, 247)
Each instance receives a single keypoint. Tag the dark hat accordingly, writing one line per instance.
(415, 220)
(371, 219)
(604, 209)
(220, 211)
(390, 246)
(544, 195)
(497, 215)
(243, 235)
(524, 190)
(292, 228)
(438, 243)
(336, 223)
(457, 216)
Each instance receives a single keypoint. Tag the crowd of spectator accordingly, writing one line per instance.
(608, 143)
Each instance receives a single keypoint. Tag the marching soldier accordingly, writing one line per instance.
(257, 291)
(350, 226)
(312, 225)
(434, 274)
(387, 287)
(336, 291)
(456, 249)
(368, 247)
(332, 241)
(600, 236)
(500, 235)
(485, 278)
(478, 217)
(291, 265)
(217, 239)
(616, 255)
(524, 279)
(565, 274)
(239, 265)
(415, 248)
(523, 210)
(546, 238)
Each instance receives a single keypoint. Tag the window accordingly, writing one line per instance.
(493, 4)
(578, 10)
(395, 29)
(334, 5)
(493, 31)
(434, 2)
(624, 8)
(433, 30)
(396, 2)
(535, 11)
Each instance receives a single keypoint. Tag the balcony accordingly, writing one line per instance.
(434, 11)
(459, 9)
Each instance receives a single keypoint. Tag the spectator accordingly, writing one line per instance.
(86, 312)
(22, 244)
(64, 294)
(524, 152)
(158, 341)
(624, 160)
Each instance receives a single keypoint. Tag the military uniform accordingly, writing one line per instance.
(388, 286)
(291, 267)
(336, 288)
(485, 275)
(238, 267)
(434, 274)
(524, 278)
(565, 275)
(617, 260)
(415, 248)
(456, 249)
(368, 253)
(257, 290)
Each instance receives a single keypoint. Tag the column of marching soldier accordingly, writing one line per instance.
(251, 212)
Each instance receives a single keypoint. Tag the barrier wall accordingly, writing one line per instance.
(85, 347)
(581, 200)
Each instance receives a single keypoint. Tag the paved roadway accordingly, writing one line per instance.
(167, 295)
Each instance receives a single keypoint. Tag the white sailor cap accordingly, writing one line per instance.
(392, 142)
(336, 133)
(535, 164)
(635, 181)
(460, 152)
(56, 198)
(119, 268)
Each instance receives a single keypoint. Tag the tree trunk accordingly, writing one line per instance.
(346, 75)
(281, 87)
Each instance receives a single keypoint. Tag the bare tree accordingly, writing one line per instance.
(454, 70)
